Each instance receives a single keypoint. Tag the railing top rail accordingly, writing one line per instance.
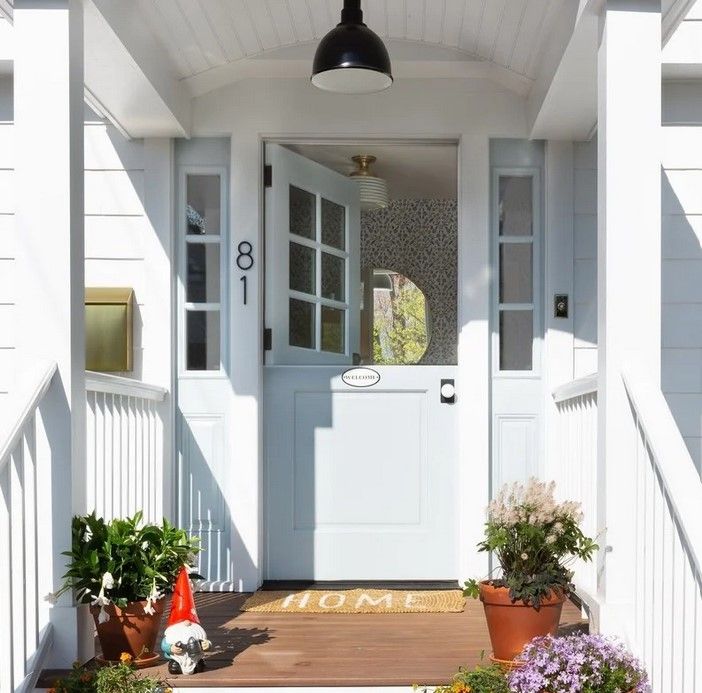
(671, 459)
(33, 394)
(126, 387)
(586, 385)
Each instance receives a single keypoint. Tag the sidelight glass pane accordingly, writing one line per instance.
(516, 213)
(333, 224)
(333, 277)
(302, 268)
(203, 210)
(303, 213)
(301, 331)
(333, 337)
(203, 273)
(516, 338)
(203, 340)
(516, 279)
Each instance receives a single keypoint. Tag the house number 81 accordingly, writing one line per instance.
(244, 261)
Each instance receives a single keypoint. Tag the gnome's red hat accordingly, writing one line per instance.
(183, 602)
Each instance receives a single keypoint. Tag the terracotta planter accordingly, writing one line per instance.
(513, 624)
(129, 630)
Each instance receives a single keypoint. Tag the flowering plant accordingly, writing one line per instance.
(577, 664)
(482, 679)
(534, 538)
(124, 561)
(115, 678)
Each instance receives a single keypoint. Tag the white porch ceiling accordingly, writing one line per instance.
(202, 36)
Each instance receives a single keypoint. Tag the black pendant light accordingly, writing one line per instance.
(351, 59)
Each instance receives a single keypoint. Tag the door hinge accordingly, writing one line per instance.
(267, 176)
(267, 339)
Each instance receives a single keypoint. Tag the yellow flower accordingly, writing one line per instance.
(125, 658)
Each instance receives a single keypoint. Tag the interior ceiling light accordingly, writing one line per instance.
(351, 59)
(373, 190)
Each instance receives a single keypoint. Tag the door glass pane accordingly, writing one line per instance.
(516, 273)
(333, 330)
(302, 268)
(333, 224)
(203, 204)
(202, 340)
(333, 277)
(516, 213)
(516, 337)
(303, 213)
(301, 328)
(203, 273)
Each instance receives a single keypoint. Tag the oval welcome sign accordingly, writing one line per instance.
(360, 377)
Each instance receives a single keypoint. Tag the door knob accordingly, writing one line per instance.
(448, 392)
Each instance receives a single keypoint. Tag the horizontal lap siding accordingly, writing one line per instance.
(585, 258)
(7, 255)
(682, 281)
(116, 225)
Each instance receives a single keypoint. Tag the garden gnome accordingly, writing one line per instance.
(184, 640)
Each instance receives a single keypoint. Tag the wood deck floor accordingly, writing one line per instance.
(257, 649)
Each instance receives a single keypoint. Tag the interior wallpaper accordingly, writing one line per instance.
(419, 238)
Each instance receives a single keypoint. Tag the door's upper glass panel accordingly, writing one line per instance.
(301, 324)
(302, 268)
(516, 206)
(303, 213)
(203, 273)
(333, 224)
(204, 204)
(333, 277)
(333, 332)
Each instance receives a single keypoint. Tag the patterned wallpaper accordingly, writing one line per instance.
(419, 238)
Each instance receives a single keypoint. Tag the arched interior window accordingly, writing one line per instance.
(401, 326)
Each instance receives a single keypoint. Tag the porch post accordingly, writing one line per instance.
(629, 267)
(48, 92)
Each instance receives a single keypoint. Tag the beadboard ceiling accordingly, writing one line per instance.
(202, 35)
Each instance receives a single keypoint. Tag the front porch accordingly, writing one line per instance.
(335, 650)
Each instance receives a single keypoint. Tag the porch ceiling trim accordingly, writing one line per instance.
(252, 68)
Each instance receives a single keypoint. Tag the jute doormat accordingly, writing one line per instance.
(356, 601)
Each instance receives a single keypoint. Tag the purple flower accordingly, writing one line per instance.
(578, 664)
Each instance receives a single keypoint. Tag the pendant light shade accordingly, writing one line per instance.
(373, 191)
(351, 59)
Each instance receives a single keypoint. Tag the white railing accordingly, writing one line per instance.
(25, 631)
(126, 447)
(575, 470)
(667, 610)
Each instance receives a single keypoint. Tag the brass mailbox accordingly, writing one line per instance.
(109, 328)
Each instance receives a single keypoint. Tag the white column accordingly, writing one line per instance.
(50, 263)
(629, 265)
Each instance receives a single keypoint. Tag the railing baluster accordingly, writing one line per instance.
(31, 583)
(6, 625)
(17, 562)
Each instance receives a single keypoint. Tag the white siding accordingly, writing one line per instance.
(585, 258)
(121, 239)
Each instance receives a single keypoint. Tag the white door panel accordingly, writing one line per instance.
(360, 482)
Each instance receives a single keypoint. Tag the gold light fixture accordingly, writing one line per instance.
(373, 190)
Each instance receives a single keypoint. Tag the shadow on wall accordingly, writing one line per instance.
(681, 309)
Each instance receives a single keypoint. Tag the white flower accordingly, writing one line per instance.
(551, 539)
(149, 609)
(103, 616)
(525, 556)
(51, 598)
(154, 595)
(108, 582)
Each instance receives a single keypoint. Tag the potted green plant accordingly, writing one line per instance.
(123, 569)
(533, 539)
(578, 663)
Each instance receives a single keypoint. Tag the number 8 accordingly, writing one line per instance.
(244, 260)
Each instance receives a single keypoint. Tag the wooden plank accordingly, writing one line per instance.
(254, 649)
